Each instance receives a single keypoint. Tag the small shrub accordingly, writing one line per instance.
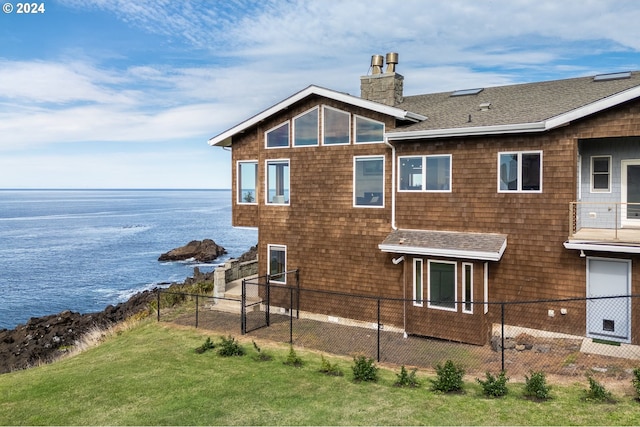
(293, 359)
(449, 378)
(329, 368)
(494, 386)
(536, 386)
(207, 345)
(261, 356)
(597, 392)
(364, 369)
(230, 347)
(407, 379)
(636, 381)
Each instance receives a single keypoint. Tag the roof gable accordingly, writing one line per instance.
(224, 139)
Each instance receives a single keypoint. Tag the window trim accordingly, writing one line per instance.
(455, 285)
(591, 175)
(266, 139)
(239, 198)
(418, 302)
(423, 184)
(466, 276)
(519, 171)
(293, 128)
(355, 198)
(324, 126)
(266, 182)
(284, 273)
(355, 130)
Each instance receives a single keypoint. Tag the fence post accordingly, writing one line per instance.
(197, 310)
(158, 300)
(502, 334)
(268, 295)
(298, 294)
(378, 343)
(243, 310)
(291, 315)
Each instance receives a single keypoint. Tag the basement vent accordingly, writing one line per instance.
(612, 76)
(465, 92)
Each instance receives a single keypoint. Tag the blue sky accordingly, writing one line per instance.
(125, 94)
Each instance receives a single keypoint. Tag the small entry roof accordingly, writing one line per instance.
(452, 244)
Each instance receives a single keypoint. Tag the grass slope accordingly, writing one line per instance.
(151, 375)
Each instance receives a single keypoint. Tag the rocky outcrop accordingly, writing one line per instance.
(43, 339)
(200, 250)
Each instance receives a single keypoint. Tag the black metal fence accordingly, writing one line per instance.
(523, 336)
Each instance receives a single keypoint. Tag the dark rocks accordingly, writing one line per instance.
(199, 250)
(43, 339)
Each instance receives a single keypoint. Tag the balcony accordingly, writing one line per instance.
(606, 226)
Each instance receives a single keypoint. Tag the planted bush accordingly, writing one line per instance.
(494, 386)
(261, 356)
(449, 378)
(230, 347)
(636, 381)
(597, 392)
(329, 368)
(406, 378)
(207, 345)
(364, 369)
(293, 359)
(536, 386)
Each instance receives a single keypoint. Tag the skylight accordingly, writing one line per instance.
(464, 92)
(612, 76)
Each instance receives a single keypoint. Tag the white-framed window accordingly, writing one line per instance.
(367, 131)
(425, 173)
(277, 137)
(306, 129)
(277, 182)
(247, 181)
(418, 291)
(467, 287)
(277, 265)
(368, 181)
(520, 172)
(443, 290)
(601, 174)
(336, 126)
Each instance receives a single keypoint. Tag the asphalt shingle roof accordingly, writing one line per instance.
(514, 104)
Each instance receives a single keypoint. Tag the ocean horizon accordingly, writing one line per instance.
(84, 249)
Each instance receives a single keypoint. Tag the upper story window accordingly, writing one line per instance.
(336, 126)
(368, 181)
(278, 136)
(305, 129)
(247, 181)
(368, 131)
(520, 172)
(601, 174)
(425, 173)
(277, 182)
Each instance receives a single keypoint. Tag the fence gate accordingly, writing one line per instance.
(255, 305)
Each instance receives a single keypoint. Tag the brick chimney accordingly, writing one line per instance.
(385, 88)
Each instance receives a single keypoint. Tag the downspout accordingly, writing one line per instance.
(394, 227)
(393, 184)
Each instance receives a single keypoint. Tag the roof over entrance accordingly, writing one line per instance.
(452, 244)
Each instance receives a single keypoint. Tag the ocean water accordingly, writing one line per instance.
(82, 250)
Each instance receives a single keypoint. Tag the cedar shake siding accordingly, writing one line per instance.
(339, 247)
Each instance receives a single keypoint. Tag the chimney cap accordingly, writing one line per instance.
(392, 61)
(377, 61)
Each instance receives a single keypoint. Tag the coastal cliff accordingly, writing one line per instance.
(44, 339)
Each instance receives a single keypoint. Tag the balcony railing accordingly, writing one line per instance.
(604, 221)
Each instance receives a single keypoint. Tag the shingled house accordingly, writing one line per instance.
(452, 201)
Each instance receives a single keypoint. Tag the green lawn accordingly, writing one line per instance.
(151, 375)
